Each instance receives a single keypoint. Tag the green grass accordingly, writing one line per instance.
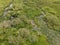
(30, 22)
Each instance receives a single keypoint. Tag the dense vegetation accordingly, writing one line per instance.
(29, 22)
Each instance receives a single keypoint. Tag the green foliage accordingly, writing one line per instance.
(29, 22)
